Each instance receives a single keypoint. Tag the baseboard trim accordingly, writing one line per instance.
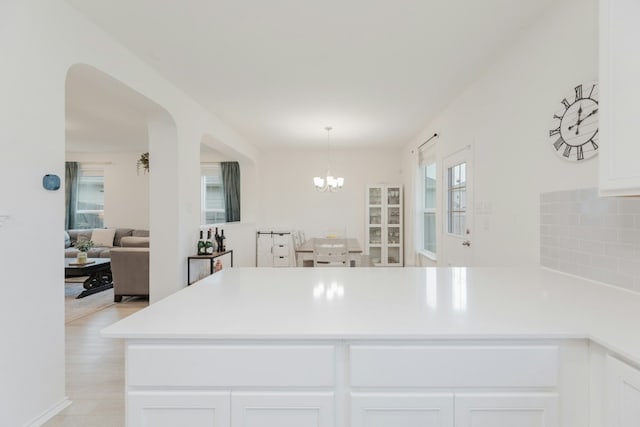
(49, 413)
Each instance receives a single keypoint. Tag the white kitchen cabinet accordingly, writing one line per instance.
(226, 378)
(401, 409)
(281, 409)
(525, 375)
(506, 410)
(622, 394)
(619, 57)
(384, 233)
(178, 408)
(454, 409)
(274, 249)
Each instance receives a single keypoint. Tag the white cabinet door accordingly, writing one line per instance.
(282, 409)
(619, 92)
(506, 410)
(401, 409)
(178, 408)
(265, 250)
(622, 394)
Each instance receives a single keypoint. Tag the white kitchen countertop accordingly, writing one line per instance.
(392, 303)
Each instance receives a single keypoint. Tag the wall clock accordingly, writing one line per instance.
(574, 129)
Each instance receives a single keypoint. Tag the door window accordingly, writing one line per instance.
(457, 199)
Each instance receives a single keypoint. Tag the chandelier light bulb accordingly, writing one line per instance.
(329, 183)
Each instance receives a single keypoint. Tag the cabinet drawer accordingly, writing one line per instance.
(229, 366)
(282, 409)
(280, 250)
(281, 261)
(454, 366)
(281, 239)
(179, 408)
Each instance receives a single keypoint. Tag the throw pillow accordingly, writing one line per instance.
(103, 237)
(82, 236)
(67, 240)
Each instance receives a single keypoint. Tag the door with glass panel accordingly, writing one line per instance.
(457, 209)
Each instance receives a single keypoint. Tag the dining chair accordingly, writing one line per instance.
(296, 239)
(295, 236)
(330, 253)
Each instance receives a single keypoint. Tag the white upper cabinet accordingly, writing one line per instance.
(619, 98)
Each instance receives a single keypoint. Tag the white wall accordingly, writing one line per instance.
(126, 192)
(40, 40)
(506, 115)
(288, 199)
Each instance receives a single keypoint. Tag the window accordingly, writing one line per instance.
(90, 198)
(212, 194)
(429, 208)
(457, 199)
(427, 202)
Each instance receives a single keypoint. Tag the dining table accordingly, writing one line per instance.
(304, 252)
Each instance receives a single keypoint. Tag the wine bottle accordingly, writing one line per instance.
(201, 244)
(222, 244)
(217, 239)
(208, 245)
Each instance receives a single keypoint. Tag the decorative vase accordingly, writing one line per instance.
(81, 257)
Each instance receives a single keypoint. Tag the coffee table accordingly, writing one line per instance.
(98, 270)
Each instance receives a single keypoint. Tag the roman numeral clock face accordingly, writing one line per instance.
(574, 129)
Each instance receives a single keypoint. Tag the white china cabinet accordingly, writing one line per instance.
(384, 233)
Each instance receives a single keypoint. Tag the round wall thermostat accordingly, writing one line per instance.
(51, 182)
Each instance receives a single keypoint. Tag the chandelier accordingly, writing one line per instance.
(328, 183)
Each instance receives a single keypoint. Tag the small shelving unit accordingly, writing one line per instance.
(384, 238)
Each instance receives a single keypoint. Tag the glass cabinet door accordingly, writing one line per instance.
(393, 235)
(375, 215)
(375, 235)
(375, 196)
(393, 196)
(393, 255)
(393, 215)
(375, 254)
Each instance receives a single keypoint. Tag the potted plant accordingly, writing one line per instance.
(143, 162)
(83, 246)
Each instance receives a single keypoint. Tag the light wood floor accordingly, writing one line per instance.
(95, 370)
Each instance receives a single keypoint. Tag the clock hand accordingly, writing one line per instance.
(578, 121)
(583, 119)
(588, 115)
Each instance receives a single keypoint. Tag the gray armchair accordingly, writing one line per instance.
(130, 269)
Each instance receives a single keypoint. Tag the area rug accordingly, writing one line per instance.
(77, 308)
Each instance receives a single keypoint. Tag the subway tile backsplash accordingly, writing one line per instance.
(593, 237)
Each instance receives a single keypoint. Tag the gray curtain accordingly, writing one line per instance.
(231, 186)
(71, 194)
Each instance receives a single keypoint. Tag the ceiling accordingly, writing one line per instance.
(102, 114)
(279, 71)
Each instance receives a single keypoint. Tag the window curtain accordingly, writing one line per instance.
(71, 194)
(231, 186)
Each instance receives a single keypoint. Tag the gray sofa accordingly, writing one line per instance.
(124, 237)
(130, 269)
